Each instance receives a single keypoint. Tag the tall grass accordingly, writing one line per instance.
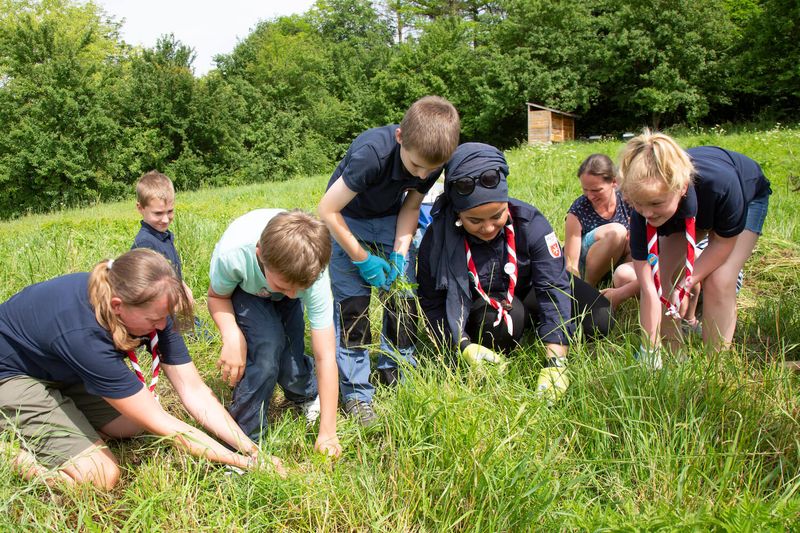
(708, 443)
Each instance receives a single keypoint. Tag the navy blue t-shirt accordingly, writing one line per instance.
(724, 183)
(158, 241)
(372, 165)
(49, 331)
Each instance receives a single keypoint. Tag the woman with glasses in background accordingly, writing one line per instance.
(490, 267)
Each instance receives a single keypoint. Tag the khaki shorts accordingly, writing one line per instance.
(53, 421)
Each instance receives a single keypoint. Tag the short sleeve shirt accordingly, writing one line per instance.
(162, 242)
(49, 331)
(589, 218)
(372, 168)
(234, 264)
(725, 183)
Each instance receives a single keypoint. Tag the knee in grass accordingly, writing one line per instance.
(98, 467)
(614, 234)
(623, 275)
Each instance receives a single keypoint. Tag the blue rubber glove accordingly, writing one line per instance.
(373, 270)
(397, 264)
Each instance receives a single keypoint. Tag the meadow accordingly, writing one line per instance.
(711, 442)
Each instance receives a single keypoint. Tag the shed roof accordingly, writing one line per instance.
(552, 110)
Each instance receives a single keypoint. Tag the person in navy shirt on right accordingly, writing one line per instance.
(65, 385)
(372, 208)
(678, 197)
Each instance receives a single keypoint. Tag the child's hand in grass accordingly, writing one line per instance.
(328, 445)
(232, 359)
(274, 463)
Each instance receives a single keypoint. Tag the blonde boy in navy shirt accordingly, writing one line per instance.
(155, 200)
(372, 208)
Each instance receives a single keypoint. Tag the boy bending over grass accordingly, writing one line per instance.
(372, 208)
(267, 266)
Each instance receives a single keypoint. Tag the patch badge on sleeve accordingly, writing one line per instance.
(552, 244)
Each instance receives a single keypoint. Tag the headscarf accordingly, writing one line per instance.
(450, 267)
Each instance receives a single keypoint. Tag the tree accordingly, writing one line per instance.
(666, 59)
(156, 107)
(60, 136)
(768, 56)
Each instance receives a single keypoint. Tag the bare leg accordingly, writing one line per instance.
(625, 285)
(609, 246)
(94, 465)
(719, 293)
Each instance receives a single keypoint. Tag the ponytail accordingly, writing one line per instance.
(137, 278)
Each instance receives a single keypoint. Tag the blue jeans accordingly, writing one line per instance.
(274, 332)
(586, 242)
(351, 297)
(757, 213)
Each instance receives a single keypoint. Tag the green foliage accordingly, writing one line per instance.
(59, 133)
(770, 54)
(156, 106)
(84, 114)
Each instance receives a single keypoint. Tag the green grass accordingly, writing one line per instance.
(708, 444)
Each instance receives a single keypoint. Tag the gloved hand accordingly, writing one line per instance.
(397, 267)
(373, 270)
(649, 357)
(552, 383)
(477, 356)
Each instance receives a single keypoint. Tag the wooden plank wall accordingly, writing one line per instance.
(539, 126)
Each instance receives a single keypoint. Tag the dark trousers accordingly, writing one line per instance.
(589, 308)
(274, 332)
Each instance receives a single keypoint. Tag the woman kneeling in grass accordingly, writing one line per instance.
(64, 383)
(678, 197)
(491, 267)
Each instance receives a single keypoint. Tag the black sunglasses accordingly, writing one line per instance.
(466, 185)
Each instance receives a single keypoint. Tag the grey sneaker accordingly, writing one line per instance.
(692, 328)
(361, 411)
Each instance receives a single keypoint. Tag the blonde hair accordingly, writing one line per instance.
(431, 127)
(653, 157)
(296, 245)
(137, 278)
(154, 185)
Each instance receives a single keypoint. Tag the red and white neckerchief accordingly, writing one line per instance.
(155, 367)
(503, 308)
(652, 259)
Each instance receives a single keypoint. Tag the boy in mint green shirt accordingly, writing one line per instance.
(266, 268)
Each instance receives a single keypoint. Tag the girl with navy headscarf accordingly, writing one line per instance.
(491, 267)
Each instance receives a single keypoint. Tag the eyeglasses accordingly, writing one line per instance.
(466, 185)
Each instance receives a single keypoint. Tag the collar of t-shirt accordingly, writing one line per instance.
(266, 291)
(401, 173)
(162, 235)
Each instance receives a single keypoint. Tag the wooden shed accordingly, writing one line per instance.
(547, 125)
